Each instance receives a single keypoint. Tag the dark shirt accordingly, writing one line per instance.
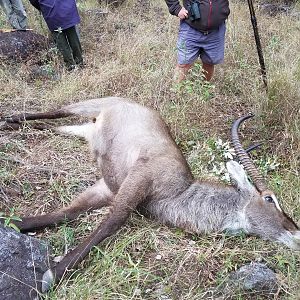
(213, 13)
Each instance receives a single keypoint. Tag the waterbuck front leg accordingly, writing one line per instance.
(94, 197)
(132, 191)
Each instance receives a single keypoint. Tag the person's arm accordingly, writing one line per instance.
(176, 9)
(35, 3)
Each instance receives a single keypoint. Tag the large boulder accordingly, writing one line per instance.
(23, 261)
(18, 45)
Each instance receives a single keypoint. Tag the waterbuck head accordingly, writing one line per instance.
(263, 215)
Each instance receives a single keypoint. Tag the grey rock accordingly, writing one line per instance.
(252, 279)
(256, 277)
(274, 9)
(21, 45)
(23, 260)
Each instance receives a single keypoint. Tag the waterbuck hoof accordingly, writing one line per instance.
(47, 281)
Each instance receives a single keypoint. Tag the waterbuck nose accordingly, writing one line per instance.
(289, 224)
(296, 236)
(296, 240)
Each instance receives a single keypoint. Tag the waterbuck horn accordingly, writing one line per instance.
(243, 156)
(253, 147)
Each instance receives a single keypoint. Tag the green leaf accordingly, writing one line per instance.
(13, 226)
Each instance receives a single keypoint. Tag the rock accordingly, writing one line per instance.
(21, 45)
(274, 9)
(23, 261)
(255, 277)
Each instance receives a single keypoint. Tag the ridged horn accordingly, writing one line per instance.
(243, 156)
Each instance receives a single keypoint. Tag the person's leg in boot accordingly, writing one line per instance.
(64, 48)
(75, 45)
(208, 71)
(181, 71)
(212, 52)
(188, 50)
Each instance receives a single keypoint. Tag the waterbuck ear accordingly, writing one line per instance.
(239, 176)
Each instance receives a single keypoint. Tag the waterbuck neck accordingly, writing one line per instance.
(203, 207)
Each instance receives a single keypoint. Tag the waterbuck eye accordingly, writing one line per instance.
(269, 199)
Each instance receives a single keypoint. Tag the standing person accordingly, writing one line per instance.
(15, 12)
(201, 34)
(62, 17)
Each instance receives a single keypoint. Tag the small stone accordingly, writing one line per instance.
(137, 292)
(57, 259)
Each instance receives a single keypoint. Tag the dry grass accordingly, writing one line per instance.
(131, 53)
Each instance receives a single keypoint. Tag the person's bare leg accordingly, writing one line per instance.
(208, 71)
(181, 72)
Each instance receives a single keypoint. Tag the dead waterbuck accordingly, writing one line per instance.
(142, 168)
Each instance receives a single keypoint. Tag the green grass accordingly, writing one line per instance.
(131, 53)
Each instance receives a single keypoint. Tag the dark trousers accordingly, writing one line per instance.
(68, 44)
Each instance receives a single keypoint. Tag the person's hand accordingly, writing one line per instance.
(183, 14)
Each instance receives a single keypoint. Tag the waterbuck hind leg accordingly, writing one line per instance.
(55, 114)
(14, 122)
(132, 191)
(16, 126)
(89, 108)
(9, 126)
(95, 197)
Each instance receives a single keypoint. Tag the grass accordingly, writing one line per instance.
(130, 52)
